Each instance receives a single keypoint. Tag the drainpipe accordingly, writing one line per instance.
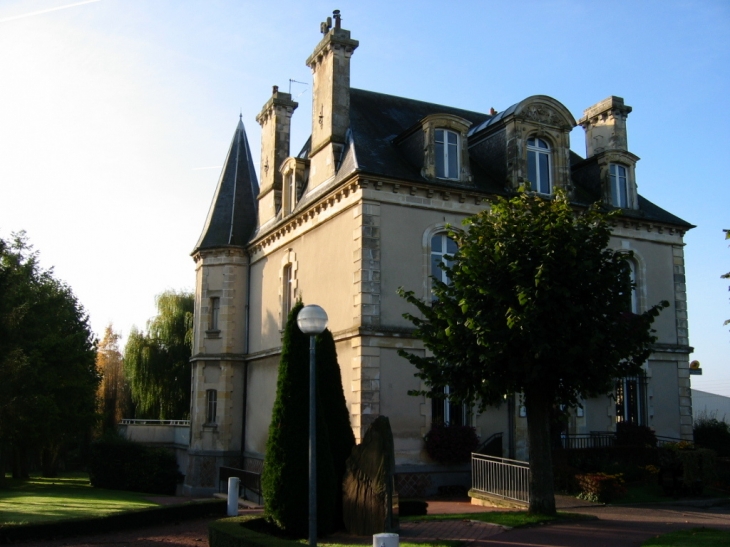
(245, 363)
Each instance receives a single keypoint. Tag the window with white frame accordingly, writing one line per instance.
(618, 175)
(287, 292)
(441, 246)
(290, 194)
(631, 399)
(446, 412)
(447, 154)
(211, 404)
(539, 163)
(215, 308)
(443, 411)
(634, 296)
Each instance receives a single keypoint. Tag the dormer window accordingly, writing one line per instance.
(446, 154)
(618, 175)
(290, 193)
(539, 159)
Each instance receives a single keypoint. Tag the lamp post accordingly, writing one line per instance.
(312, 320)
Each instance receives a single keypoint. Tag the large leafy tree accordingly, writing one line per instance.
(48, 378)
(537, 304)
(157, 362)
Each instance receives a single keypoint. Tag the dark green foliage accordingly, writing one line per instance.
(538, 305)
(157, 362)
(48, 378)
(118, 464)
(334, 407)
(629, 434)
(684, 470)
(240, 531)
(451, 444)
(285, 477)
(712, 433)
(110, 523)
(412, 507)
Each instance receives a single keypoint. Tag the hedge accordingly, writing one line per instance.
(124, 465)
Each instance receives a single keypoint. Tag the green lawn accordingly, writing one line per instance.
(696, 537)
(513, 519)
(67, 497)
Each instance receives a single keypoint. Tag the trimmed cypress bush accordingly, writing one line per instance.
(119, 464)
(285, 479)
(332, 402)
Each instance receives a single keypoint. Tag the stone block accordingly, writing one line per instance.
(368, 489)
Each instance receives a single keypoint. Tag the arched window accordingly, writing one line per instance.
(634, 298)
(619, 185)
(444, 411)
(287, 293)
(538, 165)
(441, 245)
(447, 154)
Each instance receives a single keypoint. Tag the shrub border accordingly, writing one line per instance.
(110, 523)
(228, 532)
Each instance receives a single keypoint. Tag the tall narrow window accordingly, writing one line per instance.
(444, 411)
(290, 195)
(631, 400)
(538, 165)
(441, 245)
(447, 154)
(287, 292)
(619, 186)
(215, 306)
(211, 403)
(634, 299)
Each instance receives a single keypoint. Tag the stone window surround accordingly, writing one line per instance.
(639, 265)
(448, 122)
(296, 167)
(213, 331)
(626, 160)
(288, 259)
(537, 150)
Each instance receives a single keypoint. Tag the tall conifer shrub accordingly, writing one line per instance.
(332, 401)
(285, 480)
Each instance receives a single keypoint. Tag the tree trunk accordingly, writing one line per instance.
(542, 489)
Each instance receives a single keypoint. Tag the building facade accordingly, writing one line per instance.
(360, 211)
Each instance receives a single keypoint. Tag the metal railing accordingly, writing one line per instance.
(591, 440)
(507, 479)
(129, 421)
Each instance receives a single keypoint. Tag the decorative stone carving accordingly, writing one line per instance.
(369, 497)
(542, 114)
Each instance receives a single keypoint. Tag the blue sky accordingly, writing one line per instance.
(115, 116)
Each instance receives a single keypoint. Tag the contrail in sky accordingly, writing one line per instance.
(40, 12)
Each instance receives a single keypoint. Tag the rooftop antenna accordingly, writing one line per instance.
(296, 82)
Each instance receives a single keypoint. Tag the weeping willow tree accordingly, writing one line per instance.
(157, 362)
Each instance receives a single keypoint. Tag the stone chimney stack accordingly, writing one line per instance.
(275, 122)
(330, 64)
(605, 126)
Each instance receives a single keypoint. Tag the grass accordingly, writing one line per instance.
(70, 496)
(696, 537)
(513, 519)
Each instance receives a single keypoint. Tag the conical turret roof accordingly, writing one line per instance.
(233, 214)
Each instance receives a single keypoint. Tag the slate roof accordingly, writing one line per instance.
(233, 214)
(377, 119)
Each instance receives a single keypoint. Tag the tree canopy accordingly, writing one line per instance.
(157, 362)
(536, 304)
(48, 378)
